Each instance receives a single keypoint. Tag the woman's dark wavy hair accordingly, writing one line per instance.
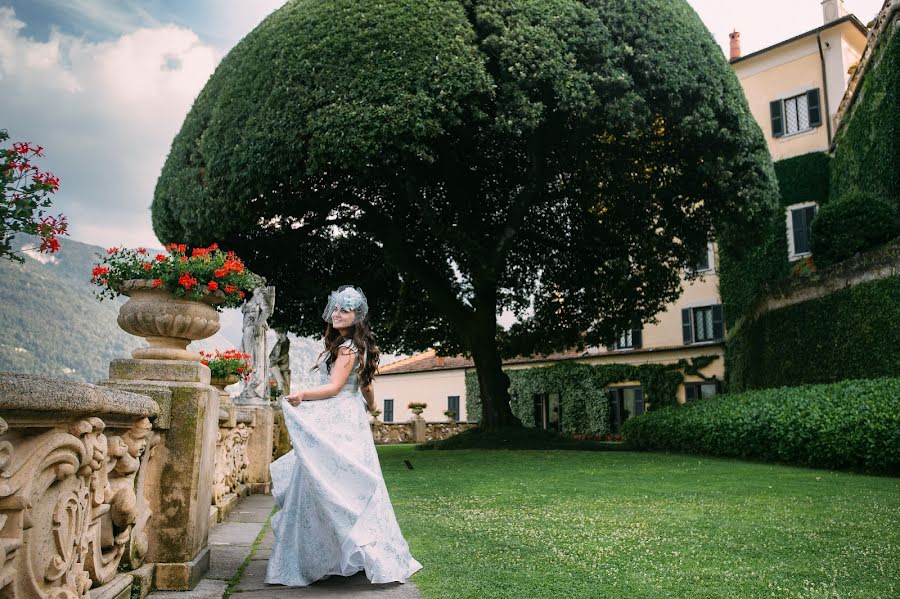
(363, 339)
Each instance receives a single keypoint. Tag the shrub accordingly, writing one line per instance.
(852, 424)
(856, 223)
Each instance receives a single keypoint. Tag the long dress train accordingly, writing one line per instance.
(336, 517)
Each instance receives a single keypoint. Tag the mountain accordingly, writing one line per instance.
(52, 324)
(50, 321)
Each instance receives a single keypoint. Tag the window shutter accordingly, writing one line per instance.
(638, 402)
(815, 110)
(690, 392)
(718, 323)
(686, 326)
(777, 111)
(538, 411)
(636, 338)
(801, 237)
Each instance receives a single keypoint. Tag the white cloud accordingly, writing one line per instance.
(106, 113)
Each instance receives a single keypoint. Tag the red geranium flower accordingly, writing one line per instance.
(213, 286)
(157, 283)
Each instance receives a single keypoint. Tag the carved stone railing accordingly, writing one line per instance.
(73, 459)
(405, 432)
(232, 457)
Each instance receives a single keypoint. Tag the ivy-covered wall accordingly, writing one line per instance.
(581, 388)
(743, 279)
(867, 147)
(852, 333)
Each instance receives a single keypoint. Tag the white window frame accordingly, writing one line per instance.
(789, 223)
(711, 258)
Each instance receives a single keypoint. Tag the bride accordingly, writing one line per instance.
(336, 517)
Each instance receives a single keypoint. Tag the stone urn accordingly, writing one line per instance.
(220, 382)
(168, 324)
(417, 411)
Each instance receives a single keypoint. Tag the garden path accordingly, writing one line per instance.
(238, 565)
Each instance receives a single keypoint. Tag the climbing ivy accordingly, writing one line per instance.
(867, 146)
(582, 389)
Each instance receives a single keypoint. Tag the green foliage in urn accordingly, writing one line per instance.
(193, 275)
(851, 424)
(581, 389)
(230, 363)
(563, 159)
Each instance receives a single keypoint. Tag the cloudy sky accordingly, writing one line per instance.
(104, 85)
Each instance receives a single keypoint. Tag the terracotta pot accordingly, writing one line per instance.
(168, 324)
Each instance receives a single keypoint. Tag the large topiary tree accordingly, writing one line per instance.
(561, 159)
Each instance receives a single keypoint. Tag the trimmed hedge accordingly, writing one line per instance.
(855, 224)
(867, 147)
(745, 274)
(852, 424)
(851, 333)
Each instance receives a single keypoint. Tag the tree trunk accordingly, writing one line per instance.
(493, 385)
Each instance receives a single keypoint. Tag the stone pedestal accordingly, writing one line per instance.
(260, 444)
(179, 482)
(419, 429)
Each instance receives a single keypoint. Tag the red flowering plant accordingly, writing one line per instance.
(185, 274)
(26, 193)
(229, 362)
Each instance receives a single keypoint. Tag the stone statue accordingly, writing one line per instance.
(280, 362)
(257, 311)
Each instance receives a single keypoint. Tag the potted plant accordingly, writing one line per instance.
(174, 298)
(274, 390)
(375, 414)
(417, 407)
(226, 368)
(451, 415)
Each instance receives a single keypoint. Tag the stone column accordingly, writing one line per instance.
(179, 482)
(253, 400)
(419, 429)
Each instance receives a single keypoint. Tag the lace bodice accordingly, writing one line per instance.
(351, 387)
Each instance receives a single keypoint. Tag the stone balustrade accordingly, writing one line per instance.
(73, 509)
(232, 457)
(406, 432)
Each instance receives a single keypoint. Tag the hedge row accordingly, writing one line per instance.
(851, 333)
(852, 424)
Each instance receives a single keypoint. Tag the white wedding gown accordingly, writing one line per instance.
(336, 517)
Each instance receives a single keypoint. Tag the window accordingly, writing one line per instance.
(694, 391)
(706, 262)
(796, 114)
(703, 323)
(388, 410)
(547, 411)
(630, 339)
(453, 404)
(799, 226)
(624, 402)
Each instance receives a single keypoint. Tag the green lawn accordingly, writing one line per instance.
(619, 524)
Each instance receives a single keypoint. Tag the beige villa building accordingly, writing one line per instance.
(793, 89)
